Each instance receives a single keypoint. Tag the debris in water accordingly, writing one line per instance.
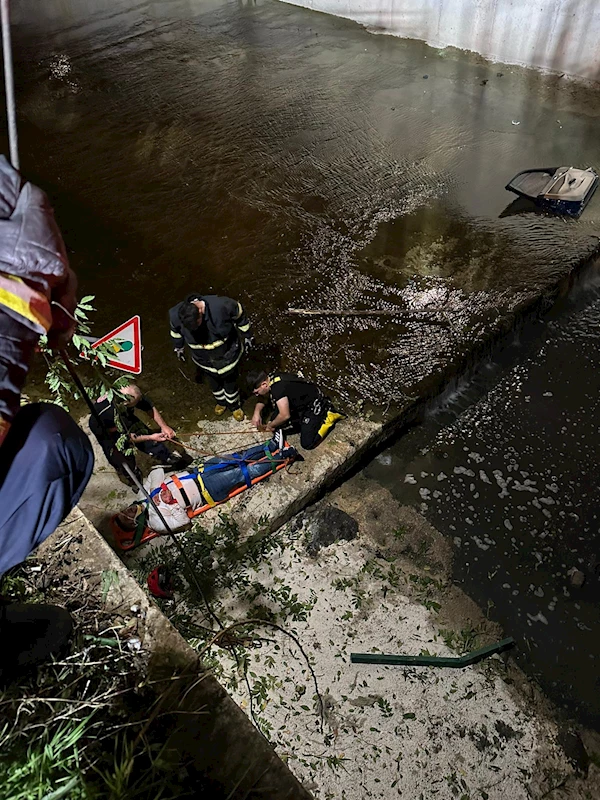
(576, 577)
(516, 122)
(539, 617)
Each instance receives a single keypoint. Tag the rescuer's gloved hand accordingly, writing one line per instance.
(180, 353)
(248, 343)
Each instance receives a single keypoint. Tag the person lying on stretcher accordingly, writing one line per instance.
(212, 482)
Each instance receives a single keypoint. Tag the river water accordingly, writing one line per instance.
(287, 158)
(506, 466)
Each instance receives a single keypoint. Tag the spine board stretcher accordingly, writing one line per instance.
(127, 540)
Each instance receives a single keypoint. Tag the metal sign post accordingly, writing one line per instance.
(9, 84)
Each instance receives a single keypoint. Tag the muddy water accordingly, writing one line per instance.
(289, 158)
(507, 468)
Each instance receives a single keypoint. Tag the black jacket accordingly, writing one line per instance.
(215, 345)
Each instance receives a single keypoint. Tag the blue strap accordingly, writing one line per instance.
(245, 472)
(233, 459)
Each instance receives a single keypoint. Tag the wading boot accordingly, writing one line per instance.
(330, 420)
(220, 410)
(238, 415)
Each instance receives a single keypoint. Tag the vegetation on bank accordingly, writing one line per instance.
(88, 725)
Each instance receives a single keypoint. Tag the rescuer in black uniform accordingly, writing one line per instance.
(120, 420)
(298, 402)
(217, 331)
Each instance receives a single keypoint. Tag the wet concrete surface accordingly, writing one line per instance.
(289, 158)
(506, 467)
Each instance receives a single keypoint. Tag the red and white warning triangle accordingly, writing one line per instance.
(126, 342)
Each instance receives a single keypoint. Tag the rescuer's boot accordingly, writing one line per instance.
(238, 415)
(330, 420)
(220, 410)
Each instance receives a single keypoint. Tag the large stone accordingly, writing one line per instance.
(326, 525)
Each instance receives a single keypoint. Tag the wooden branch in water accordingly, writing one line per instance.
(346, 312)
(375, 312)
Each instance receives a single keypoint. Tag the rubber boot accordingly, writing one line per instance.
(238, 415)
(30, 634)
(330, 420)
(220, 410)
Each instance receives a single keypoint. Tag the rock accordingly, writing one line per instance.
(571, 742)
(326, 525)
(576, 577)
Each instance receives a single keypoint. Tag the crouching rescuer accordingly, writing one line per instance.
(217, 331)
(298, 404)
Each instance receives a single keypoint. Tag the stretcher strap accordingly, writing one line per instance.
(234, 459)
(272, 461)
(140, 525)
(244, 468)
(204, 491)
(127, 540)
(193, 476)
(182, 491)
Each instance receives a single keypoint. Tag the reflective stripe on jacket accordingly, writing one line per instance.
(215, 345)
(29, 306)
(33, 262)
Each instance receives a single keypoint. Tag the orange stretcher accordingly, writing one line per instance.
(283, 463)
(127, 540)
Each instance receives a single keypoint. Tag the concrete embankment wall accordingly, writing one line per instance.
(556, 35)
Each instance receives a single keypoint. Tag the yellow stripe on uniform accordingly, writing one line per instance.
(176, 335)
(17, 296)
(240, 311)
(244, 328)
(210, 346)
(228, 368)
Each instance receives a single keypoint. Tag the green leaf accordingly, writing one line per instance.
(410, 715)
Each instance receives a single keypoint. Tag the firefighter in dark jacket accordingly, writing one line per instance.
(217, 331)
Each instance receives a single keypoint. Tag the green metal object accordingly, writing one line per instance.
(433, 661)
(101, 640)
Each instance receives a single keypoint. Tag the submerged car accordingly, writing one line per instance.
(565, 190)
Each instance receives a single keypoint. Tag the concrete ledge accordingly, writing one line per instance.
(221, 742)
